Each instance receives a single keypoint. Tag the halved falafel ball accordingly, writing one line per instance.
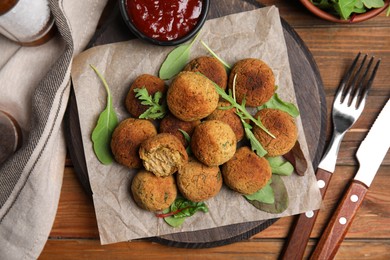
(163, 154)
(152, 84)
(211, 68)
(213, 142)
(255, 81)
(191, 96)
(281, 125)
(199, 182)
(229, 117)
(246, 172)
(153, 193)
(171, 124)
(127, 138)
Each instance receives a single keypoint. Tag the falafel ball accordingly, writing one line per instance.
(281, 125)
(255, 81)
(198, 182)
(211, 67)
(171, 124)
(213, 142)
(152, 84)
(246, 172)
(191, 96)
(229, 117)
(153, 193)
(127, 138)
(163, 154)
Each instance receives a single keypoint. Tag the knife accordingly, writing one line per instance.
(370, 156)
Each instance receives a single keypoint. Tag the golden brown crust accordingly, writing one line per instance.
(246, 172)
(198, 182)
(163, 154)
(171, 124)
(213, 142)
(152, 84)
(229, 117)
(153, 193)
(255, 81)
(191, 96)
(127, 138)
(282, 126)
(211, 68)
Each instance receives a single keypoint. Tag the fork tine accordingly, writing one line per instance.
(370, 81)
(352, 85)
(360, 87)
(345, 79)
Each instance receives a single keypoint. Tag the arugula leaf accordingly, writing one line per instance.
(176, 60)
(345, 8)
(264, 195)
(280, 166)
(255, 144)
(373, 3)
(101, 134)
(180, 209)
(227, 66)
(276, 103)
(155, 111)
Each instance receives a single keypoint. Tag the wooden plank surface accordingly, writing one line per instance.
(75, 234)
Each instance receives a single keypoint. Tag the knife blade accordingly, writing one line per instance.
(370, 155)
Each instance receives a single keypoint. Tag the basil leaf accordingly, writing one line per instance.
(176, 60)
(264, 195)
(281, 197)
(276, 103)
(280, 166)
(108, 120)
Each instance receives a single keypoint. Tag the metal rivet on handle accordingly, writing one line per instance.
(321, 184)
(354, 198)
(342, 221)
(309, 214)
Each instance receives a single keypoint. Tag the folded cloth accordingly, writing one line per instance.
(35, 85)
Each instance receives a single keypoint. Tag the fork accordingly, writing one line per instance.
(348, 105)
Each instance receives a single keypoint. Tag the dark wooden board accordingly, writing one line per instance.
(310, 96)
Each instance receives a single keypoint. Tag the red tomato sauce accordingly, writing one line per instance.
(164, 20)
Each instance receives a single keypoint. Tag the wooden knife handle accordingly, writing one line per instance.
(302, 227)
(340, 222)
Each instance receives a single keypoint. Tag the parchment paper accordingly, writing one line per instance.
(256, 34)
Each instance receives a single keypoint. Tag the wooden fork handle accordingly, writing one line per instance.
(303, 225)
(340, 222)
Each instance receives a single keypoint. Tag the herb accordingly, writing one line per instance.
(281, 198)
(108, 120)
(227, 66)
(276, 103)
(280, 166)
(240, 109)
(264, 195)
(345, 8)
(176, 60)
(180, 209)
(188, 139)
(155, 111)
(255, 144)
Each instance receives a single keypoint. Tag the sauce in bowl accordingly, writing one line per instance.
(164, 20)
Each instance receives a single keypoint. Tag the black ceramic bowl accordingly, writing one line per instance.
(128, 21)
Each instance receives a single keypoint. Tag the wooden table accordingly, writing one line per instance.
(75, 234)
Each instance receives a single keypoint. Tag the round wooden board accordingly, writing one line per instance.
(311, 102)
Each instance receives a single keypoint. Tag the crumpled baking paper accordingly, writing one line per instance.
(255, 34)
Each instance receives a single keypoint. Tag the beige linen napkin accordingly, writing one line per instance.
(35, 84)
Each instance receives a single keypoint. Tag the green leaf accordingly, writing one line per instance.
(345, 8)
(264, 195)
(276, 103)
(176, 60)
(255, 144)
(184, 208)
(108, 120)
(280, 166)
(281, 197)
(188, 139)
(155, 111)
(373, 3)
(227, 66)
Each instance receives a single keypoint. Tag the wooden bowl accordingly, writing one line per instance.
(353, 19)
